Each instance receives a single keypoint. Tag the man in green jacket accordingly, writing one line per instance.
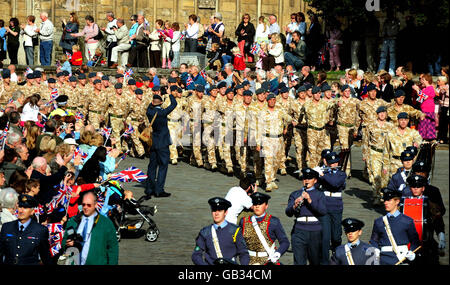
(99, 244)
(297, 54)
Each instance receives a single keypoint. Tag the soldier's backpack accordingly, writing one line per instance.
(146, 134)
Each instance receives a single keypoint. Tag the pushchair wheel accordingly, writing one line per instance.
(151, 235)
(118, 235)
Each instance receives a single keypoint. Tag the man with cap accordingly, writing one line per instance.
(398, 139)
(73, 92)
(307, 205)
(131, 84)
(300, 127)
(317, 114)
(62, 110)
(332, 182)
(106, 85)
(210, 127)
(398, 180)
(60, 81)
(159, 151)
(220, 242)
(331, 126)
(347, 124)
(412, 149)
(28, 89)
(46, 92)
(285, 102)
(355, 251)
(260, 232)
(392, 232)
(225, 109)
(368, 114)
(38, 81)
(398, 106)
(7, 87)
(222, 96)
(243, 122)
(195, 108)
(84, 90)
(116, 111)
(378, 165)
(177, 118)
(271, 126)
(238, 93)
(431, 220)
(24, 241)
(135, 116)
(96, 104)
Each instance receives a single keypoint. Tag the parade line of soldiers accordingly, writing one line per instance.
(233, 128)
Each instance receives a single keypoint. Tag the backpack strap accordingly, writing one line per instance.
(154, 117)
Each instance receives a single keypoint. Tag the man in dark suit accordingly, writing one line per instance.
(159, 152)
(24, 241)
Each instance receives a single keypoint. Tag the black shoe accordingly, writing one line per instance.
(162, 195)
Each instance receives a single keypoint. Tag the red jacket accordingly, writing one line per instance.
(77, 58)
(72, 210)
(238, 62)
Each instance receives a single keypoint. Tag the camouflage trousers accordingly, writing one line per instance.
(364, 143)
(95, 119)
(317, 141)
(346, 140)
(209, 141)
(224, 146)
(300, 142)
(116, 128)
(257, 163)
(196, 132)
(375, 169)
(176, 131)
(136, 141)
(272, 151)
(241, 150)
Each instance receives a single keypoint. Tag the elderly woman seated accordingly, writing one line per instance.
(8, 202)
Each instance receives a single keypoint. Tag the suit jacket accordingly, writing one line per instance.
(142, 38)
(48, 184)
(25, 248)
(103, 248)
(122, 35)
(160, 135)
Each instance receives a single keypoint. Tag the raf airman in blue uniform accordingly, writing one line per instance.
(220, 242)
(398, 180)
(355, 251)
(392, 233)
(24, 241)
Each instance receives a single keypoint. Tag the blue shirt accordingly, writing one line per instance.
(133, 31)
(3, 36)
(222, 225)
(25, 225)
(395, 215)
(156, 81)
(349, 244)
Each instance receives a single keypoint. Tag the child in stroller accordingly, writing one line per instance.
(126, 213)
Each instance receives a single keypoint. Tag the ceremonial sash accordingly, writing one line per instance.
(269, 250)
(348, 254)
(391, 238)
(216, 242)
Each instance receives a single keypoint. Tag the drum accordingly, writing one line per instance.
(414, 208)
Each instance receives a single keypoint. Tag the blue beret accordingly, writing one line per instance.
(51, 80)
(173, 88)
(139, 91)
(59, 74)
(308, 86)
(260, 91)
(222, 84)
(200, 88)
(97, 81)
(381, 109)
(248, 93)
(326, 87)
(118, 85)
(315, 90)
(271, 96)
(156, 96)
(156, 88)
(402, 115)
(118, 75)
(371, 87)
(284, 89)
(105, 77)
(265, 85)
(37, 74)
(92, 74)
(301, 89)
(344, 87)
(229, 90)
(72, 79)
(131, 82)
(145, 78)
(65, 73)
(81, 76)
(29, 76)
(7, 74)
(399, 93)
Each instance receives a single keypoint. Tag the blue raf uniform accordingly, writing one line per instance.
(306, 235)
(356, 253)
(402, 228)
(398, 180)
(230, 241)
(332, 184)
(27, 243)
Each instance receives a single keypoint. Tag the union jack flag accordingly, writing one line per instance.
(69, 55)
(78, 151)
(203, 74)
(254, 49)
(189, 81)
(161, 34)
(62, 198)
(128, 73)
(56, 232)
(28, 71)
(106, 132)
(123, 156)
(421, 97)
(54, 94)
(100, 201)
(182, 37)
(79, 116)
(128, 131)
(132, 174)
(3, 136)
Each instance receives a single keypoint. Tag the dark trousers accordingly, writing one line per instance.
(157, 170)
(13, 49)
(306, 246)
(109, 48)
(155, 58)
(138, 56)
(331, 234)
(443, 124)
(190, 45)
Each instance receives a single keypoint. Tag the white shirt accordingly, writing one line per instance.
(90, 220)
(239, 199)
(29, 113)
(176, 41)
(110, 32)
(277, 52)
(260, 33)
(192, 31)
(46, 31)
(13, 77)
(28, 33)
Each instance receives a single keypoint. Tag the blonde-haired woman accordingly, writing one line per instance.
(276, 53)
(262, 30)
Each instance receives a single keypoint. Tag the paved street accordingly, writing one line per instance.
(181, 216)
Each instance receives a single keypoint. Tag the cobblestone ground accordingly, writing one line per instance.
(182, 215)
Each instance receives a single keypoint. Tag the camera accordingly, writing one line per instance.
(76, 237)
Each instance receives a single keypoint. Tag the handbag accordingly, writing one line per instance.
(99, 35)
(146, 134)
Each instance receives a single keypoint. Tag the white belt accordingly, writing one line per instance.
(332, 194)
(257, 254)
(401, 248)
(307, 219)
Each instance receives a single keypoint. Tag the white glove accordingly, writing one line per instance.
(410, 255)
(318, 170)
(274, 257)
(441, 241)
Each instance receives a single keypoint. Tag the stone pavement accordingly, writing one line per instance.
(181, 216)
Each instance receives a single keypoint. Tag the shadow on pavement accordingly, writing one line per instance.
(366, 196)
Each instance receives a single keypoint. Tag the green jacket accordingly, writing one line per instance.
(103, 248)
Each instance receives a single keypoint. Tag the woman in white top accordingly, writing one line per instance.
(29, 31)
(191, 32)
(176, 45)
(292, 27)
(30, 110)
(275, 49)
(262, 31)
(8, 203)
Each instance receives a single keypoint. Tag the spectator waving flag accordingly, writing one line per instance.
(421, 97)
(128, 131)
(254, 49)
(182, 37)
(56, 233)
(132, 174)
(189, 81)
(60, 199)
(3, 136)
(79, 116)
(106, 132)
(203, 74)
(78, 151)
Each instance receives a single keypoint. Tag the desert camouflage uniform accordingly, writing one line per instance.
(176, 120)
(118, 106)
(195, 107)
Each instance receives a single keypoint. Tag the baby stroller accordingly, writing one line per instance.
(127, 214)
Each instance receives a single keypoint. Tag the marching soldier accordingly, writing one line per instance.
(331, 126)
(354, 252)
(91, 77)
(136, 116)
(242, 117)
(271, 126)
(210, 126)
(195, 108)
(285, 102)
(46, 93)
(226, 130)
(397, 141)
(306, 205)
(300, 127)
(73, 93)
(96, 104)
(347, 125)
(106, 85)
(398, 180)
(392, 232)
(6, 88)
(377, 135)
(175, 123)
(29, 88)
(129, 92)
(255, 111)
(397, 107)
(84, 90)
(221, 241)
(62, 110)
(316, 113)
(60, 82)
(239, 94)
(117, 109)
(260, 232)
(24, 241)
(332, 182)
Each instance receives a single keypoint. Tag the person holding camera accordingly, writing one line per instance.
(94, 235)
(111, 38)
(239, 197)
